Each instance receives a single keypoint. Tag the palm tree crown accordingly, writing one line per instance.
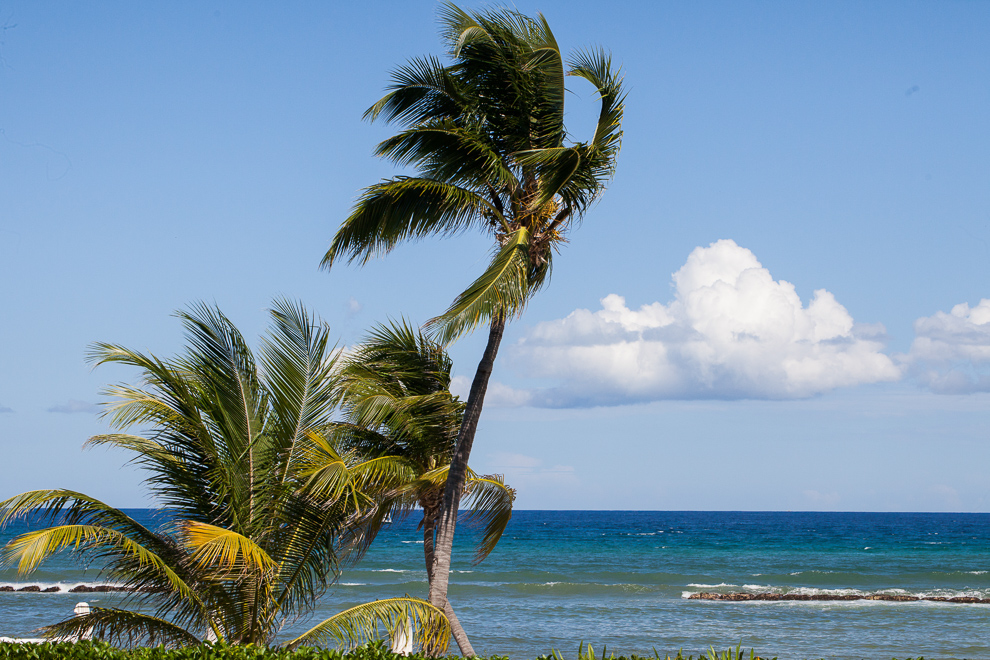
(397, 400)
(259, 499)
(486, 137)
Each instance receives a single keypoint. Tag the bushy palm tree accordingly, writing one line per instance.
(486, 137)
(397, 402)
(258, 498)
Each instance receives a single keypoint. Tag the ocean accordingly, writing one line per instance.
(624, 579)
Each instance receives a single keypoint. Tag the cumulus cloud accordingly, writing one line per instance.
(74, 406)
(353, 307)
(951, 352)
(731, 332)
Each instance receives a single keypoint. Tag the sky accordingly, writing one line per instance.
(781, 302)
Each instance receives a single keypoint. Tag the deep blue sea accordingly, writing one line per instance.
(622, 578)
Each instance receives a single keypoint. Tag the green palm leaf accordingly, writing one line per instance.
(216, 547)
(368, 622)
(502, 289)
(404, 208)
(121, 627)
(490, 504)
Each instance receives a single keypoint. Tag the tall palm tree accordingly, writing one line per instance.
(397, 401)
(257, 497)
(486, 137)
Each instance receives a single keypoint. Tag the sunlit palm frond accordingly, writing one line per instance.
(446, 151)
(216, 547)
(29, 550)
(502, 289)
(379, 618)
(299, 366)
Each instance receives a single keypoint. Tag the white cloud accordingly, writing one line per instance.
(951, 352)
(498, 395)
(353, 307)
(731, 332)
(522, 472)
(74, 406)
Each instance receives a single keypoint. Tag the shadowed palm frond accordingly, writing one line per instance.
(406, 208)
(121, 628)
(490, 504)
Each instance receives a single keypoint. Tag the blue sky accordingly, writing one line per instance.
(776, 305)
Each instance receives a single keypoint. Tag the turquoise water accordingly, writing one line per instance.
(622, 579)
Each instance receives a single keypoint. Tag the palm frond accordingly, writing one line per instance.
(216, 547)
(490, 504)
(502, 289)
(446, 151)
(405, 208)
(595, 66)
(373, 620)
(29, 550)
(122, 628)
(421, 90)
(299, 368)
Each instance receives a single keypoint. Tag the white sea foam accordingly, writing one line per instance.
(712, 586)
(389, 570)
(354, 584)
(419, 542)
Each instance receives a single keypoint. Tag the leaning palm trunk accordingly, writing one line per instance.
(444, 544)
(398, 402)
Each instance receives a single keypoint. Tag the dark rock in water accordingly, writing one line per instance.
(50, 590)
(30, 587)
(98, 589)
(6, 588)
(965, 599)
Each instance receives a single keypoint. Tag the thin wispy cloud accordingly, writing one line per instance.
(5, 409)
(73, 406)
(731, 332)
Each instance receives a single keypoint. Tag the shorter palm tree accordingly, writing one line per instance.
(259, 499)
(397, 401)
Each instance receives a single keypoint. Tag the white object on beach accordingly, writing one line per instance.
(402, 638)
(82, 609)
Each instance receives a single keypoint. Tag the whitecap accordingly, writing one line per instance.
(711, 586)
